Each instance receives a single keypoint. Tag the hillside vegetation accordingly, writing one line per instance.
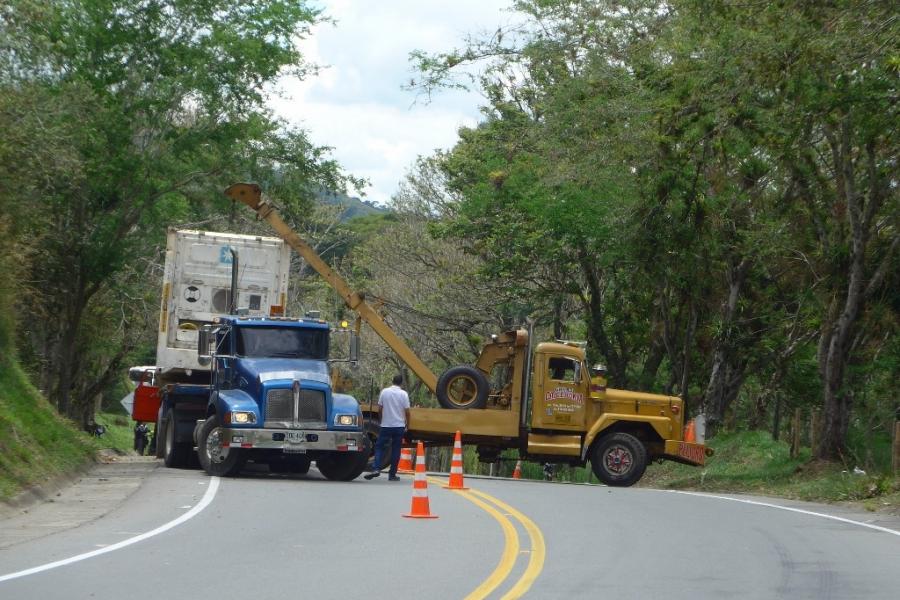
(36, 444)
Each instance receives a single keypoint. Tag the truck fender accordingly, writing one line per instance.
(224, 401)
(659, 424)
(345, 403)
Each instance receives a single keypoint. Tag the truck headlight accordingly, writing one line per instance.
(243, 417)
(345, 420)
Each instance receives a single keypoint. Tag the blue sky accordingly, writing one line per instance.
(357, 105)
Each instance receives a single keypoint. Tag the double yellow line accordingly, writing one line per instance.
(511, 551)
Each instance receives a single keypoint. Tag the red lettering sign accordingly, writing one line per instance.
(692, 452)
(561, 393)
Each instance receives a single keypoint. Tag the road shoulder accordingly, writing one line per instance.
(71, 501)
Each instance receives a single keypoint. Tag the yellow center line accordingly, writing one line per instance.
(537, 552)
(538, 549)
(510, 549)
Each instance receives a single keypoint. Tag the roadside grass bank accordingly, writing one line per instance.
(36, 444)
(119, 436)
(751, 462)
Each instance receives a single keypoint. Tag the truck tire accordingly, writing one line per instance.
(159, 435)
(342, 466)
(299, 465)
(216, 460)
(463, 387)
(175, 454)
(619, 459)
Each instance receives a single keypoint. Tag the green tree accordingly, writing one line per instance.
(714, 181)
(828, 80)
(165, 107)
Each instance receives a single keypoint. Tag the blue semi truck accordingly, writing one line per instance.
(270, 400)
(235, 379)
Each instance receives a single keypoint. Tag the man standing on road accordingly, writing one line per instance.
(394, 403)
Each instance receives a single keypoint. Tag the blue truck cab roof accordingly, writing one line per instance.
(240, 321)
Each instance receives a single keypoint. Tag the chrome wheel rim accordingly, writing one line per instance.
(618, 459)
(214, 450)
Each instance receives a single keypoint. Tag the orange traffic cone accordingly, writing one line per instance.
(420, 509)
(690, 434)
(406, 464)
(456, 466)
(517, 473)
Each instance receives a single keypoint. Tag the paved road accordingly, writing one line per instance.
(139, 531)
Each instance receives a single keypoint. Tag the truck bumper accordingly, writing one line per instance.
(296, 441)
(687, 452)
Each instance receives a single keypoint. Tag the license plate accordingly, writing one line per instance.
(295, 436)
(693, 452)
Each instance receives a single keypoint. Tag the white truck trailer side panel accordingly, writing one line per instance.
(197, 283)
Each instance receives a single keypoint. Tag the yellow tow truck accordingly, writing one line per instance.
(534, 398)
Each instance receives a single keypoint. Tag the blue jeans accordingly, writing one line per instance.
(394, 435)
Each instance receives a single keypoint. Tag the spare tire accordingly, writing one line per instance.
(463, 387)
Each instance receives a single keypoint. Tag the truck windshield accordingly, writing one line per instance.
(282, 342)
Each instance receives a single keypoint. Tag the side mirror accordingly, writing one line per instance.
(354, 347)
(203, 356)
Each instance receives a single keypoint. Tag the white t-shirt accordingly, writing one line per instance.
(393, 402)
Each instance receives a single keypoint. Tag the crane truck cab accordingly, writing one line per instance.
(538, 399)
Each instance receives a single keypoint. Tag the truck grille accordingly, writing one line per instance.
(311, 406)
(309, 411)
(279, 405)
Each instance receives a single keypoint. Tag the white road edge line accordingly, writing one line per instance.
(204, 502)
(788, 508)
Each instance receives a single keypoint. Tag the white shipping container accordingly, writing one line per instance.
(197, 287)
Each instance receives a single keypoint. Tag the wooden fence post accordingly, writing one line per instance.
(897, 447)
(813, 429)
(795, 434)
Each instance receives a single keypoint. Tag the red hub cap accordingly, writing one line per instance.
(618, 460)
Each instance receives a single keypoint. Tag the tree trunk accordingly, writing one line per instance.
(686, 355)
(835, 343)
(776, 421)
(651, 365)
(66, 353)
(598, 340)
(717, 397)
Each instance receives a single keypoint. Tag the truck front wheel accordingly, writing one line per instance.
(619, 459)
(463, 387)
(342, 466)
(216, 460)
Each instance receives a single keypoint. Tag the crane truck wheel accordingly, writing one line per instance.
(216, 460)
(618, 459)
(175, 453)
(463, 387)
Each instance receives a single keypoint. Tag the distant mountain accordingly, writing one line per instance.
(353, 207)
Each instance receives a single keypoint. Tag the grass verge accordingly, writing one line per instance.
(36, 444)
(752, 462)
(119, 435)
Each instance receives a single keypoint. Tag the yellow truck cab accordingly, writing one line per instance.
(619, 432)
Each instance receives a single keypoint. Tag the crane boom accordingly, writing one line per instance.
(251, 195)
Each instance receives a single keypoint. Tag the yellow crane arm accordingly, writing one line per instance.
(251, 195)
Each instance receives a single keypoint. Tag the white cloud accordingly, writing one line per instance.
(357, 104)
